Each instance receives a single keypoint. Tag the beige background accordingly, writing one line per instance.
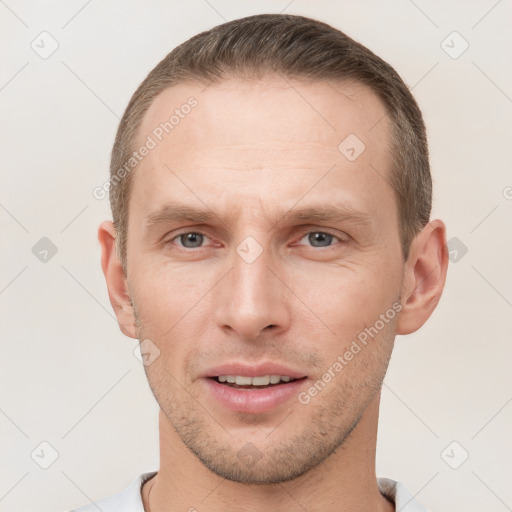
(69, 377)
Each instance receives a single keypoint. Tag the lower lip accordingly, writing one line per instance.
(253, 400)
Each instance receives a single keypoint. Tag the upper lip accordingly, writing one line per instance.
(253, 370)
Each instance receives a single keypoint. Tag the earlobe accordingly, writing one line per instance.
(425, 276)
(116, 280)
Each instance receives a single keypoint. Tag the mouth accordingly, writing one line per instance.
(258, 382)
(258, 388)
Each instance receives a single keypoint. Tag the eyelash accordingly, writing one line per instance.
(324, 232)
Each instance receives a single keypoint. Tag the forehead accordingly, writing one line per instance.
(312, 112)
(253, 136)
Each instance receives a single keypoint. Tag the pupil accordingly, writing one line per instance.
(191, 237)
(318, 236)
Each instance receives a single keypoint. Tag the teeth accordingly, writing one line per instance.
(262, 380)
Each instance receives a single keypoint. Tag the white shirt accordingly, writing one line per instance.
(130, 500)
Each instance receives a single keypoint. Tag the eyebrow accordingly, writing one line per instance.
(177, 212)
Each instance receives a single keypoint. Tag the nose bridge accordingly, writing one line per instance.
(253, 297)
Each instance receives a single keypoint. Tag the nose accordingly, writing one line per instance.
(252, 302)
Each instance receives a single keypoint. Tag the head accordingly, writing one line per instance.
(278, 216)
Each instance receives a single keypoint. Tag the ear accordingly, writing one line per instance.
(424, 277)
(116, 280)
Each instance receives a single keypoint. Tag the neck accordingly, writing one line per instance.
(343, 482)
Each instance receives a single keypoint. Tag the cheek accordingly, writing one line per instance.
(166, 292)
(171, 306)
(347, 299)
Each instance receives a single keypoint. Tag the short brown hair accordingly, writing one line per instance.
(295, 47)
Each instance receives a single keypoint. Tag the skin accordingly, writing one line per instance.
(250, 151)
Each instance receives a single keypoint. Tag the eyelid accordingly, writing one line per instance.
(343, 237)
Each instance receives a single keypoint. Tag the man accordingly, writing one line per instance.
(271, 195)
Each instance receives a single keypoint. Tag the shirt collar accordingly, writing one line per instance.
(130, 500)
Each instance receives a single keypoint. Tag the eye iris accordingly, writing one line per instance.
(195, 238)
(319, 237)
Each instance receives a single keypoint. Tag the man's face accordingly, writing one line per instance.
(255, 291)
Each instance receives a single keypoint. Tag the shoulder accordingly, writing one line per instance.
(400, 496)
(128, 500)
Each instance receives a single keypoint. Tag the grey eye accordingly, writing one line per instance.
(320, 239)
(190, 240)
